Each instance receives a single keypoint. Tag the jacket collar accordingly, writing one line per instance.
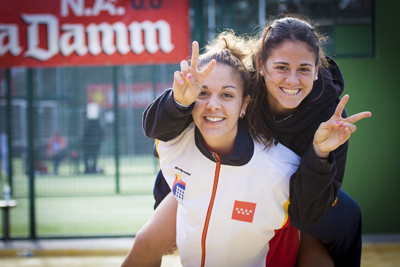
(242, 151)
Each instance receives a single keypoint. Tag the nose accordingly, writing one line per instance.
(214, 103)
(292, 79)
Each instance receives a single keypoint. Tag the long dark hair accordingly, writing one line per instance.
(273, 36)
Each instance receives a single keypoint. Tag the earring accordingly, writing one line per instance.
(242, 115)
(261, 72)
(316, 77)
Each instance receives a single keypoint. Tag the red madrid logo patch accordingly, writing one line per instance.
(243, 211)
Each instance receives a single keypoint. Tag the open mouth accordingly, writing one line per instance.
(214, 119)
(290, 91)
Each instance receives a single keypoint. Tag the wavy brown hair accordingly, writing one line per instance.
(231, 50)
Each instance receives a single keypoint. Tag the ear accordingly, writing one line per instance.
(262, 70)
(246, 102)
(316, 73)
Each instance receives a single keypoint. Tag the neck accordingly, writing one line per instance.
(280, 114)
(222, 147)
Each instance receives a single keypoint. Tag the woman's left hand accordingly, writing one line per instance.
(171, 250)
(337, 130)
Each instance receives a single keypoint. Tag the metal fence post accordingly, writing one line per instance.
(116, 126)
(9, 128)
(31, 151)
(198, 29)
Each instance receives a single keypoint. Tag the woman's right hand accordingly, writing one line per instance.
(188, 82)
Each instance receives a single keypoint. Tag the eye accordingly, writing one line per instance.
(203, 94)
(305, 70)
(227, 95)
(281, 67)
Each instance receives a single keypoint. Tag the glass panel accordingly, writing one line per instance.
(354, 12)
(319, 10)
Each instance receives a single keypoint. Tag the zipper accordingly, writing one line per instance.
(210, 207)
(215, 157)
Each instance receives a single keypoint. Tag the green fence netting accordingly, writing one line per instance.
(59, 190)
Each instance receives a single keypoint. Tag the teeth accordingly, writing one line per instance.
(290, 92)
(214, 119)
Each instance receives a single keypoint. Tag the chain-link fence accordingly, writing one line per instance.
(73, 149)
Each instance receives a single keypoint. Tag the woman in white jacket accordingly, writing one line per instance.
(233, 194)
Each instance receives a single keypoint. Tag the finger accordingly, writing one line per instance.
(345, 136)
(340, 106)
(178, 77)
(359, 116)
(195, 55)
(173, 249)
(346, 125)
(184, 67)
(207, 70)
(169, 252)
(193, 87)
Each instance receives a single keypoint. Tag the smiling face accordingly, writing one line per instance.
(218, 108)
(289, 74)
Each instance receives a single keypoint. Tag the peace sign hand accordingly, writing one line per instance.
(188, 82)
(336, 131)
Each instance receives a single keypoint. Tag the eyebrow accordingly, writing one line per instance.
(287, 64)
(223, 87)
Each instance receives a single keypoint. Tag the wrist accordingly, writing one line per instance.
(321, 155)
(323, 158)
(180, 104)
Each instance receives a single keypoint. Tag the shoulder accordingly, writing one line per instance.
(184, 137)
(285, 155)
(280, 156)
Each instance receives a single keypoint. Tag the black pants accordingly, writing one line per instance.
(339, 231)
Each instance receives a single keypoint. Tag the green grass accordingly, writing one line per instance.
(85, 205)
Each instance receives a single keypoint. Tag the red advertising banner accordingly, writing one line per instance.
(48, 33)
(129, 95)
